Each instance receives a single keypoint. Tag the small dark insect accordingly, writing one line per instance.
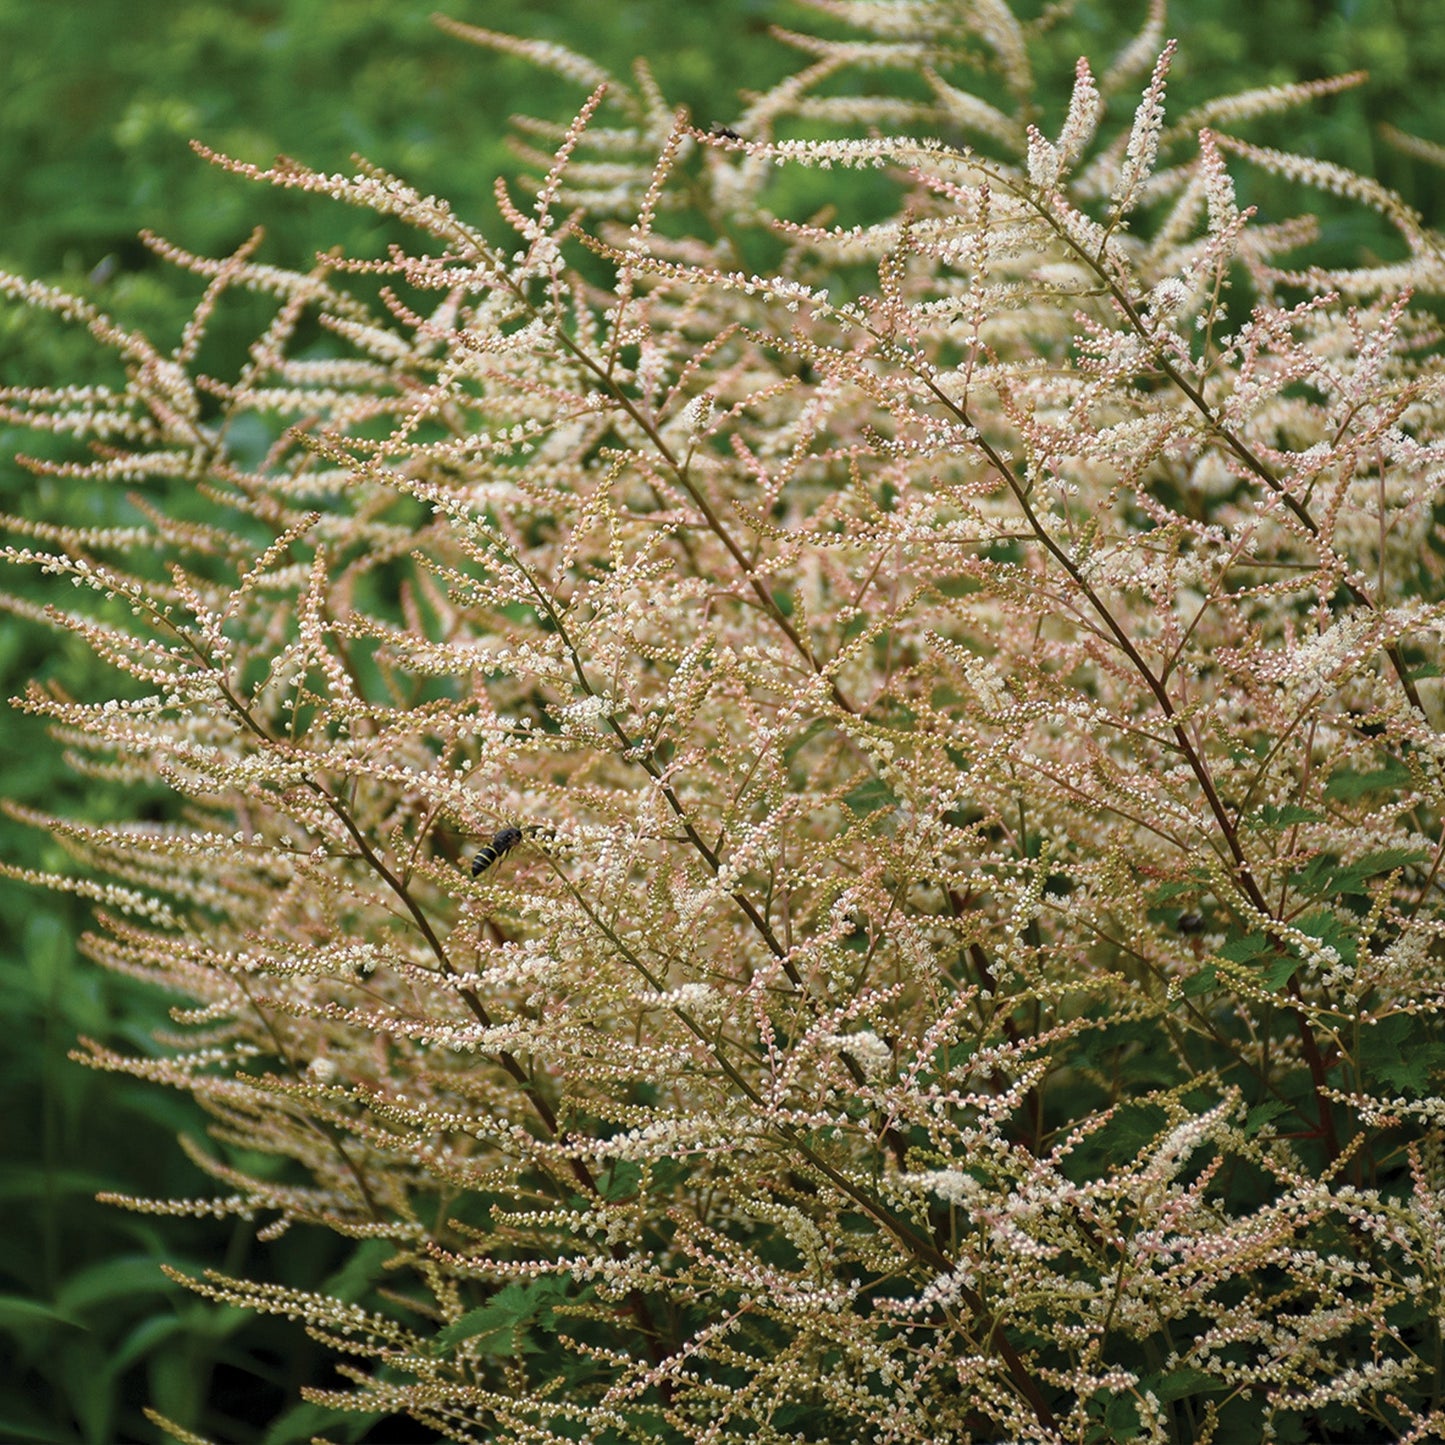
(725, 132)
(504, 842)
(1191, 923)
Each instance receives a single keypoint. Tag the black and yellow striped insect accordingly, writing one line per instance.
(504, 842)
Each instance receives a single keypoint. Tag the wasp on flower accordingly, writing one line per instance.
(502, 843)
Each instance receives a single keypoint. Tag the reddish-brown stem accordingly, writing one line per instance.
(1245, 878)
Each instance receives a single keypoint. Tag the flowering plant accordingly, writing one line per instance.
(836, 846)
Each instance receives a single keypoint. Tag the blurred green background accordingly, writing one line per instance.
(98, 99)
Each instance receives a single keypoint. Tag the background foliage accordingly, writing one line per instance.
(94, 118)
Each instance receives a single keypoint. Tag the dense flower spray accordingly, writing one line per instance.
(949, 715)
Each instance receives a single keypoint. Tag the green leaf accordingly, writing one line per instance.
(1201, 982)
(1281, 970)
(177, 1389)
(494, 1325)
(1178, 1384)
(89, 1386)
(668, 1173)
(34, 1182)
(1261, 1115)
(869, 797)
(1167, 891)
(120, 1277)
(623, 1178)
(1122, 1417)
(1271, 816)
(49, 951)
(1132, 1129)
(795, 744)
(1330, 929)
(362, 1270)
(1245, 948)
(1316, 878)
(148, 1335)
(1399, 1052)
(957, 586)
(18, 1314)
(1346, 785)
(33, 1431)
(1351, 878)
(304, 1421)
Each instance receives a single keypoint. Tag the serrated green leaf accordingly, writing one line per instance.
(1346, 785)
(1317, 878)
(1328, 927)
(1271, 816)
(1122, 1418)
(1245, 948)
(1177, 1384)
(494, 1325)
(1353, 876)
(1261, 1115)
(1133, 1128)
(1281, 970)
(1399, 1052)
(622, 1180)
(1167, 891)
(1201, 982)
